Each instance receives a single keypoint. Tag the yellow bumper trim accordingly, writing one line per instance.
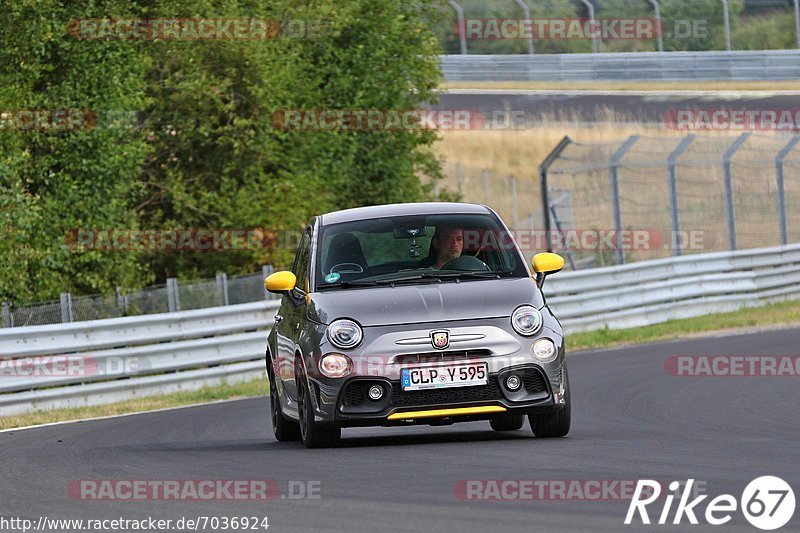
(456, 411)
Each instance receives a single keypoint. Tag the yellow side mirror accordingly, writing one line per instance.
(280, 282)
(544, 264)
(547, 263)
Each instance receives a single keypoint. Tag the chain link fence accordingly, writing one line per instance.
(164, 298)
(657, 197)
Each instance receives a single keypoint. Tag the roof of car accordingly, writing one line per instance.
(422, 208)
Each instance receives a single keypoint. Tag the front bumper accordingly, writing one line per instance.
(352, 407)
(343, 402)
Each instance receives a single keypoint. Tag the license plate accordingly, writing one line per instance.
(464, 375)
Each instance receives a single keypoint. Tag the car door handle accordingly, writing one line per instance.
(278, 318)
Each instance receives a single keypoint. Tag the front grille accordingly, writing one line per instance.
(449, 355)
(401, 398)
(533, 381)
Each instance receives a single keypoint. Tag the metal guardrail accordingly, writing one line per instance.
(122, 358)
(634, 66)
(649, 292)
(102, 361)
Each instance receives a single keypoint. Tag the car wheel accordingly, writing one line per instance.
(284, 429)
(507, 422)
(556, 424)
(312, 434)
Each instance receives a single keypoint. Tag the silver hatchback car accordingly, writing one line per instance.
(414, 314)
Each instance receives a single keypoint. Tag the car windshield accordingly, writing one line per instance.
(416, 249)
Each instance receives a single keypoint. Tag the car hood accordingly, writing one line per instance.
(431, 302)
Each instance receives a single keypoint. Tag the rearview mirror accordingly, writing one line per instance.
(544, 264)
(280, 282)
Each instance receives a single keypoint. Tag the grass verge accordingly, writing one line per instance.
(782, 313)
(258, 387)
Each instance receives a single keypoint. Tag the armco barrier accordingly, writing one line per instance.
(159, 353)
(630, 66)
(189, 349)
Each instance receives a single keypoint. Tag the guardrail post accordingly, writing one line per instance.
(222, 286)
(526, 10)
(726, 171)
(673, 189)
(781, 192)
(8, 319)
(613, 174)
(66, 307)
(462, 27)
(173, 299)
(543, 168)
(659, 29)
(266, 270)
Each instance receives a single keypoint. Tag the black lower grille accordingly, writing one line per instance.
(355, 394)
(533, 381)
(449, 395)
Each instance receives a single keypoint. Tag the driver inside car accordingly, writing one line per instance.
(446, 245)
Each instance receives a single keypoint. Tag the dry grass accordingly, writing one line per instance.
(626, 85)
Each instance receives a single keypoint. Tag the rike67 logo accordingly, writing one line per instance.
(767, 503)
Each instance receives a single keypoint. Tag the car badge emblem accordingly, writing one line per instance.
(440, 339)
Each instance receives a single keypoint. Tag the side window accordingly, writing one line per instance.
(301, 263)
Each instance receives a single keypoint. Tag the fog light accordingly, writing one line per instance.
(513, 382)
(375, 392)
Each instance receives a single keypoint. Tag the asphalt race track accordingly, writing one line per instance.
(631, 420)
(593, 106)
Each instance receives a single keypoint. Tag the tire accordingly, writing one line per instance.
(285, 430)
(555, 424)
(507, 422)
(312, 434)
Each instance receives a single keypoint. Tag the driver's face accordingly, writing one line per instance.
(449, 246)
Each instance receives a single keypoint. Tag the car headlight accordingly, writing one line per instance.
(335, 365)
(543, 350)
(526, 320)
(345, 333)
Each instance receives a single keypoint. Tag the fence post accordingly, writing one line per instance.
(726, 172)
(173, 299)
(543, 168)
(66, 307)
(659, 29)
(462, 27)
(485, 174)
(592, 24)
(266, 270)
(781, 193)
(673, 189)
(613, 174)
(8, 320)
(222, 286)
(515, 210)
(727, 20)
(527, 12)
